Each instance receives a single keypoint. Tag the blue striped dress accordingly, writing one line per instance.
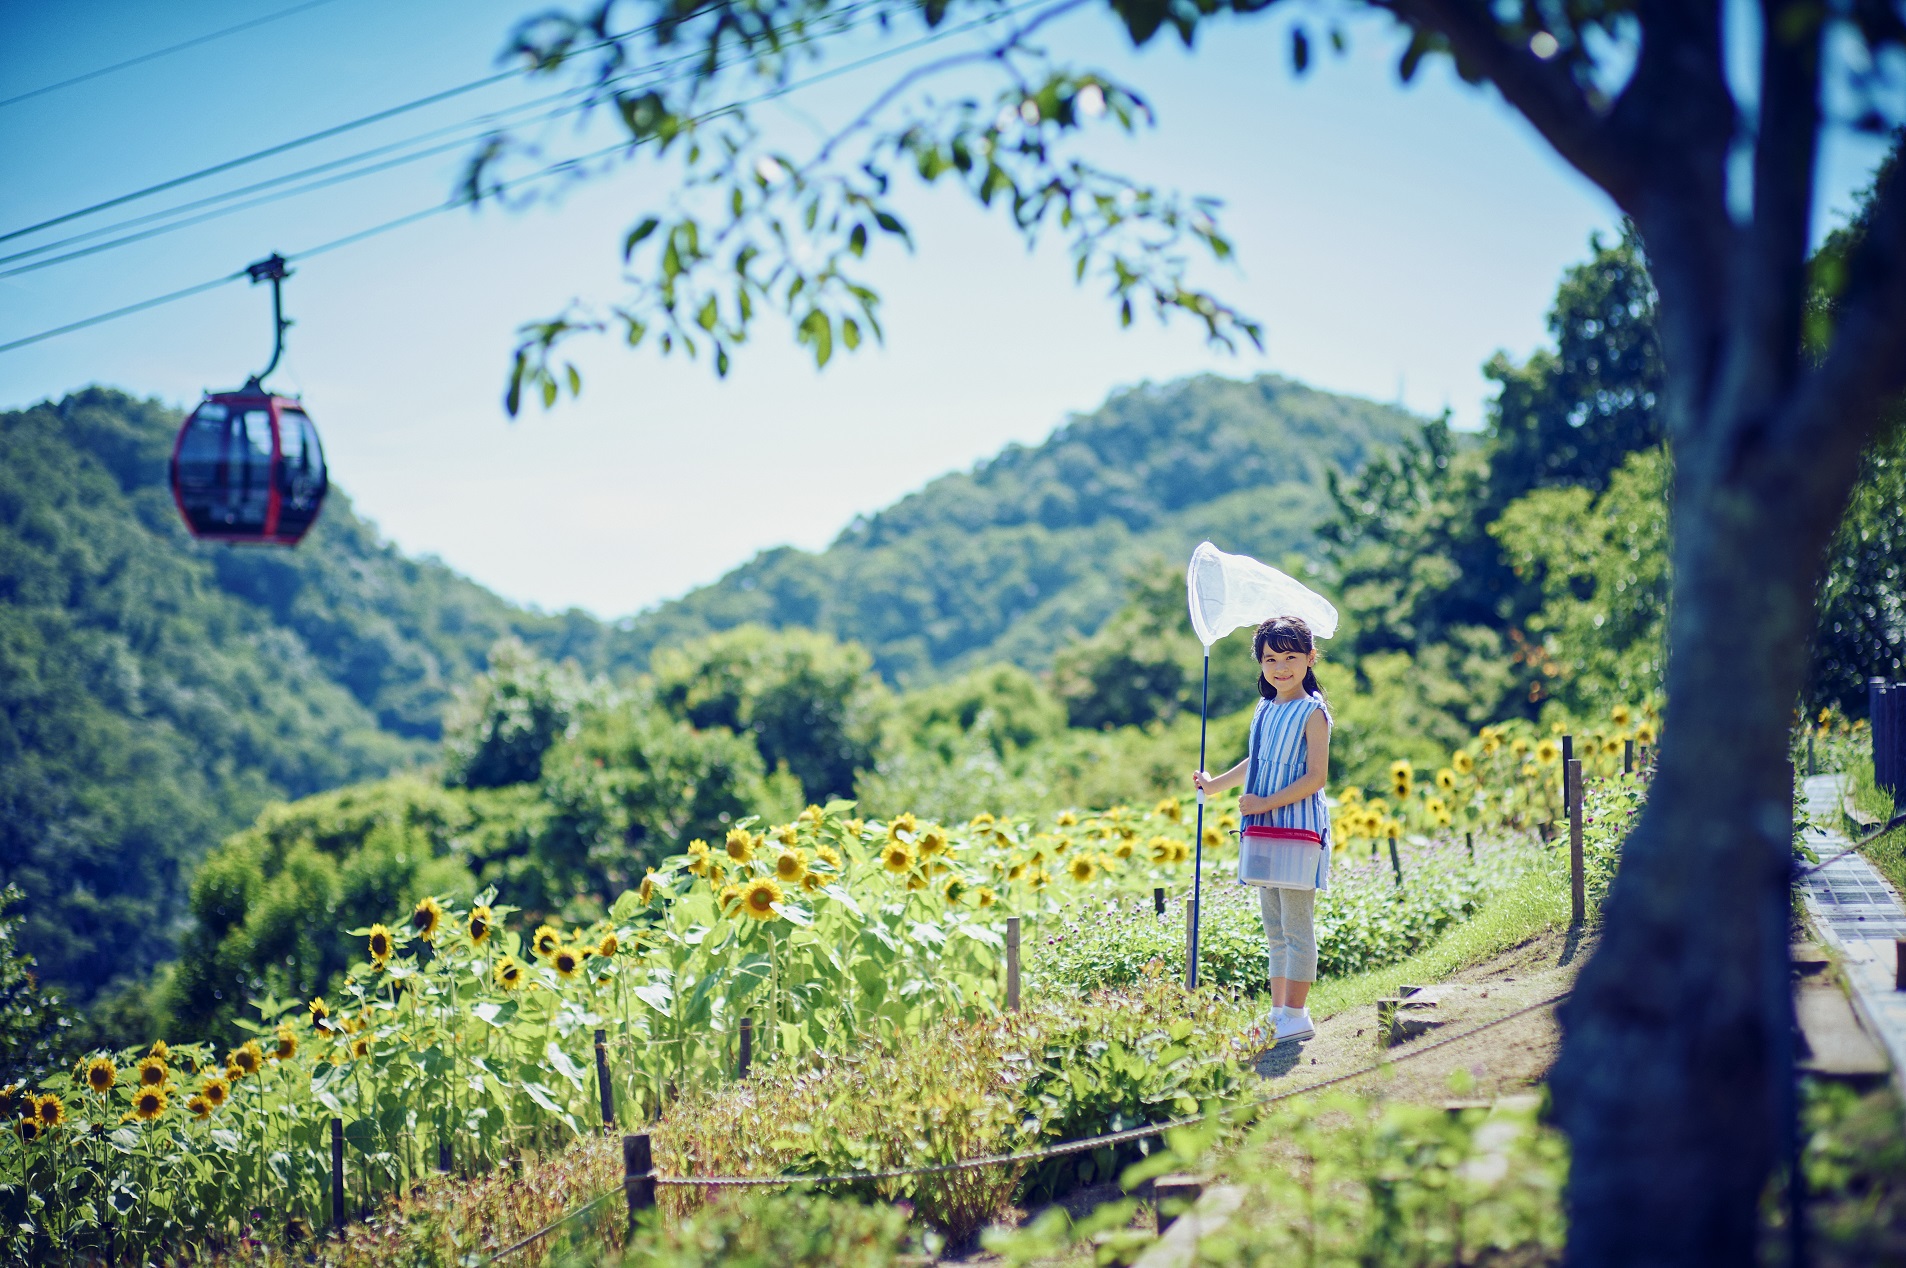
(1278, 757)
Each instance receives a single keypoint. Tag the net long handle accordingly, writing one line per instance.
(1197, 866)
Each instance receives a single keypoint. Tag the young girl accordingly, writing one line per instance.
(1283, 775)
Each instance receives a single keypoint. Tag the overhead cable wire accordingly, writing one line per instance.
(480, 122)
(348, 126)
(162, 52)
(541, 173)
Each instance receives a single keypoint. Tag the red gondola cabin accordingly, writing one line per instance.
(247, 467)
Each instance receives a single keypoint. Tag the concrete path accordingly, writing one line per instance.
(1858, 917)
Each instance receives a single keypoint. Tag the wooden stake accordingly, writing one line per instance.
(747, 1047)
(1012, 963)
(604, 1090)
(1469, 840)
(1396, 863)
(1899, 964)
(1568, 755)
(1628, 756)
(337, 1173)
(638, 1175)
(1578, 895)
(1158, 901)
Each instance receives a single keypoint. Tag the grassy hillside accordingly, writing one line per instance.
(1013, 559)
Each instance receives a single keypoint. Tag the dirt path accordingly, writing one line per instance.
(1506, 1059)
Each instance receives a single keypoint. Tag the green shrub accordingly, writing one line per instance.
(752, 1229)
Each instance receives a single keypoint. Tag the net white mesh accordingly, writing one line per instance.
(1228, 592)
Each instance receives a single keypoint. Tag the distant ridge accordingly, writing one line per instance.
(1027, 550)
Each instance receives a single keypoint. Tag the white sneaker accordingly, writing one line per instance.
(1295, 1025)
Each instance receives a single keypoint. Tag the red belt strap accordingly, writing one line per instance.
(1284, 834)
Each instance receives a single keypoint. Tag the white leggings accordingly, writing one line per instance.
(1291, 931)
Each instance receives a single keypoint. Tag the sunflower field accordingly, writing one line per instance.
(461, 1040)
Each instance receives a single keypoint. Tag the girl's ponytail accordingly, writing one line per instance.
(1311, 686)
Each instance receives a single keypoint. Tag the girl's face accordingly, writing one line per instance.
(1285, 670)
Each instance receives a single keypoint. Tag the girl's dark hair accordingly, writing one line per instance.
(1284, 634)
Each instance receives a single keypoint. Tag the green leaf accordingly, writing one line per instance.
(637, 236)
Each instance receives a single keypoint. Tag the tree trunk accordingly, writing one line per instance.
(1675, 1079)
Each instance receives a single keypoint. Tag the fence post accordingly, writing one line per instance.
(747, 1047)
(445, 1160)
(638, 1175)
(1568, 755)
(337, 1173)
(1812, 767)
(1628, 755)
(606, 1092)
(1578, 896)
(1396, 863)
(1469, 840)
(1191, 944)
(1158, 901)
(1899, 964)
(1012, 963)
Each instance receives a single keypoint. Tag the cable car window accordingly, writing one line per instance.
(301, 462)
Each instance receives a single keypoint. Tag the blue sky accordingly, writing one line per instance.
(1390, 238)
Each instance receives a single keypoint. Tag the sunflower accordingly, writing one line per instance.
(740, 844)
(547, 939)
(1547, 751)
(896, 856)
(932, 842)
(1349, 796)
(902, 826)
(698, 857)
(285, 1044)
(1490, 743)
(1059, 844)
(982, 821)
(855, 827)
(729, 896)
(791, 866)
(566, 961)
(1083, 869)
(148, 1103)
(320, 1013)
(916, 882)
(786, 834)
(50, 1110)
(1645, 734)
(813, 881)
(1446, 779)
(247, 1058)
(215, 1090)
(1038, 879)
(1611, 746)
(954, 889)
(1126, 848)
(608, 945)
(99, 1074)
(361, 1046)
(758, 898)
(1392, 829)
(1211, 838)
(426, 918)
(381, 945)
(1401, 777)
(1170, 808)
(1162, 850)
(1463, 763)
(828, 855)
(1434, 806)
(160, 1049)
(200, 1107)
(1018, 870)
(1067, 819)
(984, 897)
(1621, 715)
(29, 1129)
(1181, 851)
(813, 814)
(11, 1100)
(645, 892)
(507, 974)
(153, 1072)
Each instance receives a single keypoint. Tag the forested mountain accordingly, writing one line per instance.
(157, 693)
(1017, 557)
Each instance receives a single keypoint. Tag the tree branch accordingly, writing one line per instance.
(1544, 91)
